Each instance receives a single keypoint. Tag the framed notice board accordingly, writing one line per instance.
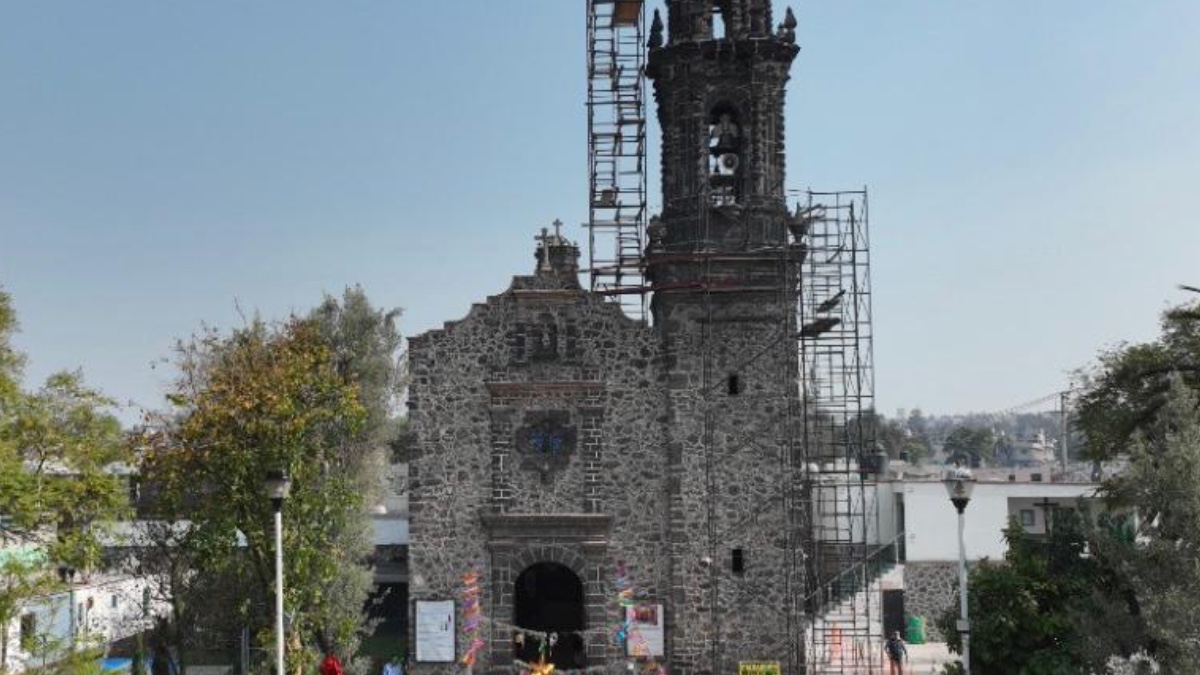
(434, 631)
(645, 631)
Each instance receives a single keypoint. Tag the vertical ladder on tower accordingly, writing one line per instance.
(616, 63)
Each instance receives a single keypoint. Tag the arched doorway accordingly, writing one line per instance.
(548, 597)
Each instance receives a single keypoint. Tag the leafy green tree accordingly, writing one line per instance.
(887, 435)
(1023, 610)
(57, 489)
(917, 424)
(264, 398)
(20, 580)
(316, 396)
(10, 359)
(82, 656)
(907, 438)
(1157, 555)
(1117, 595)
(1110, 621)
(1124, 392)
(364, 342)
(915, 450)
(974, 446)
(62, 447)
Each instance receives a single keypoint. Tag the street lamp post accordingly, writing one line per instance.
(278, 485)
(959, 485)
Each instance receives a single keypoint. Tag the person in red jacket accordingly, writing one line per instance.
(331, 665)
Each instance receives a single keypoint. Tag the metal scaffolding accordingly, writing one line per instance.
(616, 59)
(838, 427)
(824, 435)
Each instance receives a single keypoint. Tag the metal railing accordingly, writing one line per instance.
(836, 590)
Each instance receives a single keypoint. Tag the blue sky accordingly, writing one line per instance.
(167, 164)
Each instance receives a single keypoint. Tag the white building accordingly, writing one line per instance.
(98, 610)
(919, 509)
(1032, 451)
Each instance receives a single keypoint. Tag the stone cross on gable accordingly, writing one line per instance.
(546, 239)
(555, 254)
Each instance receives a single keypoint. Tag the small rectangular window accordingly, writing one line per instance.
(135, 489)
(28, 632)
(739, 561)
(1027, 518)
(1035, 477)
(734, 385)
(113, 602)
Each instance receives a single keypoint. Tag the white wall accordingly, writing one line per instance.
(390, 527)
(887, 517)
(1038, 508)
(844, 510)
(389, 531)
(107, 610)
(931, 523)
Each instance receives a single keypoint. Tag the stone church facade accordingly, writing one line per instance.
(566, 452)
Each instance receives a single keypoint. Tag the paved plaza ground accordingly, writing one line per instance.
(927, 659)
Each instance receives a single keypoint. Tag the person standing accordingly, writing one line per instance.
(897, 654)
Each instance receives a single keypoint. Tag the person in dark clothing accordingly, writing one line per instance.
(896, 653)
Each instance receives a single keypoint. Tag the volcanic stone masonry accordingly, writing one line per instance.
(930, 588)
(558, 441)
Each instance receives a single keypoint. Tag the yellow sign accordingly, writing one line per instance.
(759, 668)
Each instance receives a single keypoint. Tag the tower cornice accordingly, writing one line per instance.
(750, 49)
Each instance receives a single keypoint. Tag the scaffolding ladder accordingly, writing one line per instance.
(616, 61)
(837, 412)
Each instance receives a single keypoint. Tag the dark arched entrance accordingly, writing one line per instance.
(548, 597)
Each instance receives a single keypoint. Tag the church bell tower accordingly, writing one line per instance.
(719, 73)
(722, 262)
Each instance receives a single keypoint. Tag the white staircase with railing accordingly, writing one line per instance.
(847, 639)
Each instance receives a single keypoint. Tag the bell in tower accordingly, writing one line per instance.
(723, 267)
(719, 74)
(724, 136)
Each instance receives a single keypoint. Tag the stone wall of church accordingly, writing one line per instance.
(538, 422)
(731, 374)
(930, 588)
(550, 428)
(450, 471)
